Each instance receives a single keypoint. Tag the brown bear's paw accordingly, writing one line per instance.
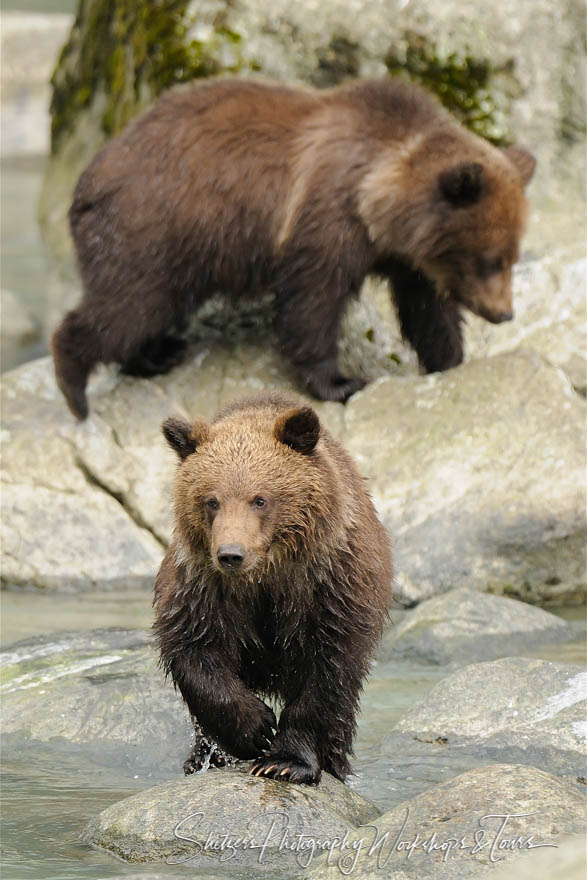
(254, 733)
(286, 770)
(332, 386)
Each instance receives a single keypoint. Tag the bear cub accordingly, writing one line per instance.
(276, 585)
(242, 185)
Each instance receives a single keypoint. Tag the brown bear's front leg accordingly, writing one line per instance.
(430, 323)
(227, 710)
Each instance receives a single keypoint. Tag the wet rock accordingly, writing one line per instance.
(463, 626)
(470, 826)
(510, 706)
(568, 861)
(514, 710)
(173, 822)
(478, 475)
(98, 692)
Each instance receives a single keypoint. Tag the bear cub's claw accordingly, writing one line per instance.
(286, 770)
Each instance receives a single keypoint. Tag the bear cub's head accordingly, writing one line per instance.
(249, 489)
(454, 207)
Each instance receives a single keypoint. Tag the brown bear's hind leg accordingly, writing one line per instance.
(156, 356)
(76, 351)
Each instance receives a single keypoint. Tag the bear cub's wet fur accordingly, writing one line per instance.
(241, 185)
(276, 584)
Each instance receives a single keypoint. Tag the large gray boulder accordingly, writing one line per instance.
(188, 821)
(463, 626)
(477, 480)
(513, 710)
(510, 706)
(469, 827)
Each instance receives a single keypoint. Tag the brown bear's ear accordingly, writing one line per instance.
(298, 428)
(462, 184)
(523, 160)
(183, 437)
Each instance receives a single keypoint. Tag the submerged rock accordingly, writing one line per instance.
(190, 821)
(469, 826)
(463, 626)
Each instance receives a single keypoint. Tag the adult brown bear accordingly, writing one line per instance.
(276, 584)
(240, 185)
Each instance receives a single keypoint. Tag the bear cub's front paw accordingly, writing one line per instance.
(254, 734)
(287, 769)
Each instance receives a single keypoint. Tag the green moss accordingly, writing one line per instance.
(130, 51)
(337, 61)
(461, 83)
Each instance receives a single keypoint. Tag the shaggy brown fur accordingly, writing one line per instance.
(241, 185)
(277, 584)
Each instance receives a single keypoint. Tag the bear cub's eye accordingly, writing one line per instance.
(259, 501)
(212, 503)
(487, 266)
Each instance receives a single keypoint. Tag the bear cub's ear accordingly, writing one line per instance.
(462, 184)
(298, 428)
(523, 160)
(183, 437)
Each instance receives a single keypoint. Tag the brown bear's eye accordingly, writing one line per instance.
(487, 266)
(212, 503)
(259, 501)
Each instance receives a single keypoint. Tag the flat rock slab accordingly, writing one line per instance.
(227, 815)
(463, 626)
(468, 827)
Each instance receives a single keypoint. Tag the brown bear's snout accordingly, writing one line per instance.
(231, 556)
(500, 317)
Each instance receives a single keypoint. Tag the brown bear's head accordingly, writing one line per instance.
(252, 487)
(455, 207)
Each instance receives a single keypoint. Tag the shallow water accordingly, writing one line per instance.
(51, 790)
